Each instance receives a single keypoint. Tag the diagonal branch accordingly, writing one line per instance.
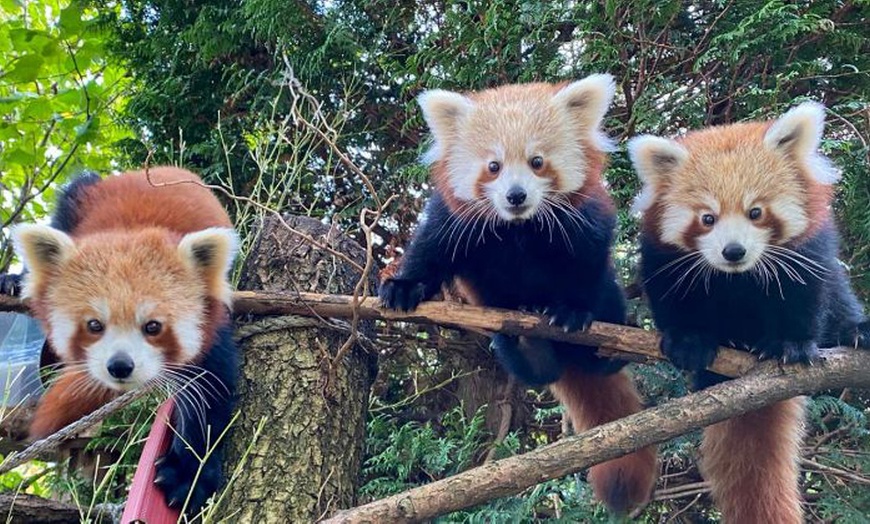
(765, 385)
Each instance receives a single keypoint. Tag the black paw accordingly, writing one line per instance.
(10, 284)
(789, 351)
(176, 473)
(401, 294)
(568, 318)
(690, 352)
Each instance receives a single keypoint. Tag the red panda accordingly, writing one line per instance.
(130, 284)
(518, 217)
(739, 248)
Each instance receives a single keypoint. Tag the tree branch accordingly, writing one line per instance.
(767, 384)
(613, 340)
(50, 443)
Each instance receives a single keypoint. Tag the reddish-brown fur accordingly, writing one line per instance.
(751, 462)
(166, 196)
(70, 398)
(127, 224)
(591, 400)
(778, 175)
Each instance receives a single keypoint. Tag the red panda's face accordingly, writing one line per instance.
(126, 307)
(737, 195)
(517, 149)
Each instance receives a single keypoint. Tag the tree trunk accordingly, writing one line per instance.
(305, 463)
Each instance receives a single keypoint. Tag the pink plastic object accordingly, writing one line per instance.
(145, 503)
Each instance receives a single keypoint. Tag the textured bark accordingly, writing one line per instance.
(614, 340)
(30, 509)
(305, 464)
(764, 386)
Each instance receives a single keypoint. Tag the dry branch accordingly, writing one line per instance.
(765, 385)
(613, 340)
(623, 342)
(51, 442)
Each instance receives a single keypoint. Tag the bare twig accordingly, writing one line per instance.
(51, 442)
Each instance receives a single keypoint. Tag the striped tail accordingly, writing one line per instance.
(594, 399)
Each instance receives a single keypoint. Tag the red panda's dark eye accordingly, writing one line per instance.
(494, 167)
(708, 219)
(755, 213)
(536, 162)
(95, 326)
(152, 327)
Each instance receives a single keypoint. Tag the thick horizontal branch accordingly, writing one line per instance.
(612, 340)
(765, 385)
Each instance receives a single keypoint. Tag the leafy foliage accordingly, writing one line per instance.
(58, 94)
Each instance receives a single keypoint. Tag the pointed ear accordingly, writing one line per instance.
(443, 110)
(655, 159)
(798, 133)
(587, 100)
(211, 252)
(42, 250)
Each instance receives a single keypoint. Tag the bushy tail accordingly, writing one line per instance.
(594, 399)
(752, 463)
(66, 401)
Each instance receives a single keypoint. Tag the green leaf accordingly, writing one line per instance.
(20, 156)
(38, 109)
(71, 20)
(87, 130)
(27, 68)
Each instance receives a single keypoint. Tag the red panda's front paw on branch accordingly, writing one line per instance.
(569, 318)
(789, 351)
(689, 351)
(10, 284)
(402, 294)
(176, 473)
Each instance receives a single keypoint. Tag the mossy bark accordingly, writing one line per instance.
(305, 463)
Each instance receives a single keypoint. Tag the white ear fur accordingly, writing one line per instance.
(587, 101)
(654, 158)
(212, 252)
(42, 249)
(443, 110)
(798, 132)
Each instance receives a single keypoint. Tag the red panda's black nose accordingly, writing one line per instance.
(516, 196)
(120, 365)
(733, 252)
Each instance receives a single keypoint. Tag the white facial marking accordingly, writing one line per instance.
(144, 312)
(734, 229)
(187, 329)
(147, 359)
(463, 171)
(676, 220)
(63, 328)
(516, 177)
(571, 166)
(792, 215)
